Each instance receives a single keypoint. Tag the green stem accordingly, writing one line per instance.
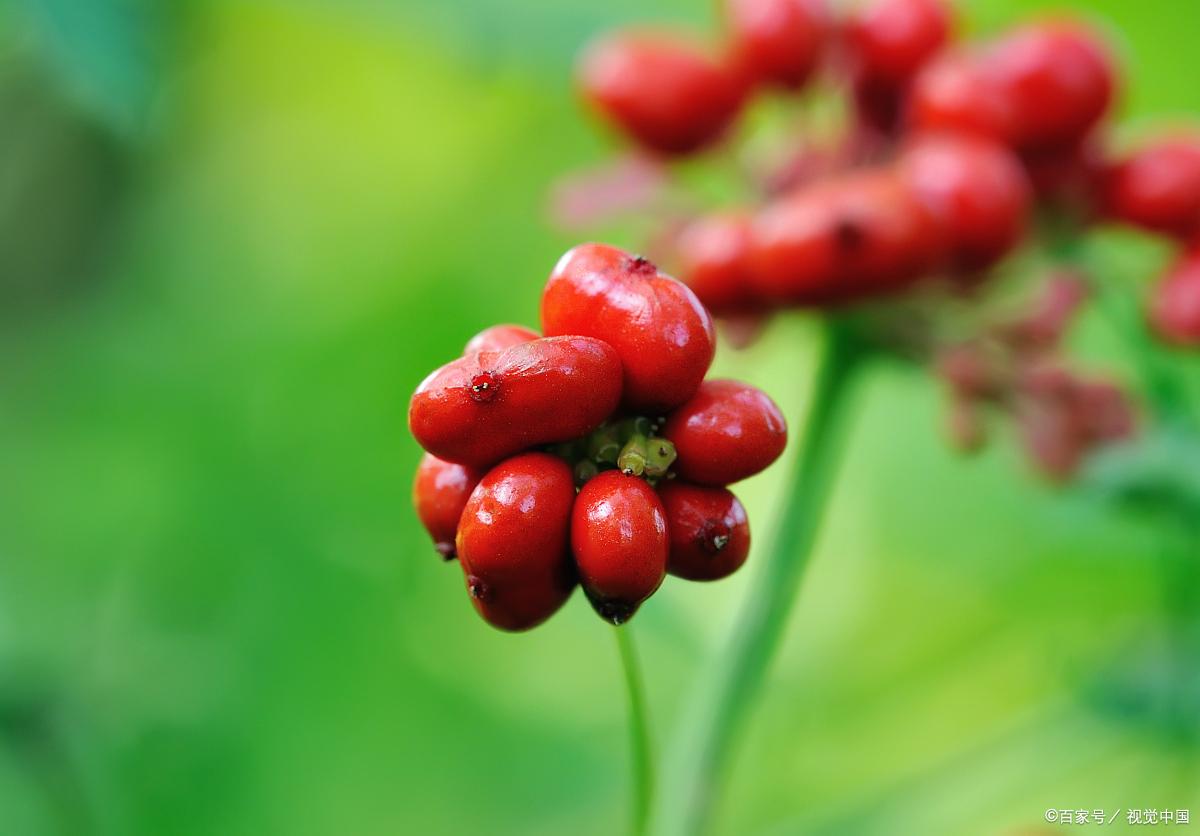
(642, 768)
(723, 701)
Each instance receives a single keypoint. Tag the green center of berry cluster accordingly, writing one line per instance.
(631, 445)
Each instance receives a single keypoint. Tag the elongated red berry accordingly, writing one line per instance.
(1175, 305)
(440, 491)
(710, 535)
(484, 407)
(714, 261)
(1158, 187)
(727, 432)
(959, 92)
(500, 337)
(977, 191)
(890, 40)
(1058, 78)
(661, 332)
(619, 539)
(777, 42)
(513, 541)
(860, 235)
(662, 89)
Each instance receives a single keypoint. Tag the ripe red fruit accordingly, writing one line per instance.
(440, 491)
(860, 235)
(976, 190)
(710, 535)
(714, 262)
(1175, 305)
(658, 327)
(481, 408)
(1158, 187)
(960, 93)
(1059, 80)
(777, 41)
(662, 89)
(619, 539)
(513, 541)
(500, 337)
(727, 432)
(889, 40)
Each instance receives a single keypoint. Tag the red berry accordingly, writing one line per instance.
(976, 190)
(658, 327)
(1175, 305)
(440, 492)
(1068, 178)
(960, 93)
(484, 407)
(710, 536)
(1058, 78)
(727, 432)
(662, 89)
(714, 262)
(860, 235)
(500, 337)
(777, 41)
(889, 40)
(619, 538)
(513, 541)
(1158, 187)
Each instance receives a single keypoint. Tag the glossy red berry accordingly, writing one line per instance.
(959, 92)
(977, 191)
(513, 541)
(619, 539)
(500, 337)
(856, 236)
(1058, 79)
(777, 42)
(714, 254)
(727, 432)
(889, 40)
(710, 535)
(481, 408)
(1175, 305)
(661, 332)
(1158, 187)
(440, 491)
(661, 89)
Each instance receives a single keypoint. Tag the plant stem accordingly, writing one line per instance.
(641, 765)
(724, 699)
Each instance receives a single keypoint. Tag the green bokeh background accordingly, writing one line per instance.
(233, 237)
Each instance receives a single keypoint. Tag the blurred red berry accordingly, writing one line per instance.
(727, 432)
(714, 255)
(1175, 304)
(620, 542)
(889, 40)
(978, 193)
(661, 89)
(499, 337)
(657, 326)
(440, 491)
(1069, 178)
(959, 93)
(513, 541)
(481, 408)
(1158, 187)
(777, 42)
(710, 535)
(1059, 80)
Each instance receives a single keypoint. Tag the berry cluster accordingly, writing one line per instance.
(597, 454)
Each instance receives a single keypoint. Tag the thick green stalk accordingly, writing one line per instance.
(641, 760)
(723, 701)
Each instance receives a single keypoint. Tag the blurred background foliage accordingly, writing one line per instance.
(235, 234)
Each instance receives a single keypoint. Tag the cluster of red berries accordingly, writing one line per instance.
(965, 140)
(596, 454)
(1012, 369)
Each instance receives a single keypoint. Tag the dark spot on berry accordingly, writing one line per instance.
(446, 550)
(849, 235)
(613, 611)
(714, 538)
(484, 387)
(478, 589)
(642, 266)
